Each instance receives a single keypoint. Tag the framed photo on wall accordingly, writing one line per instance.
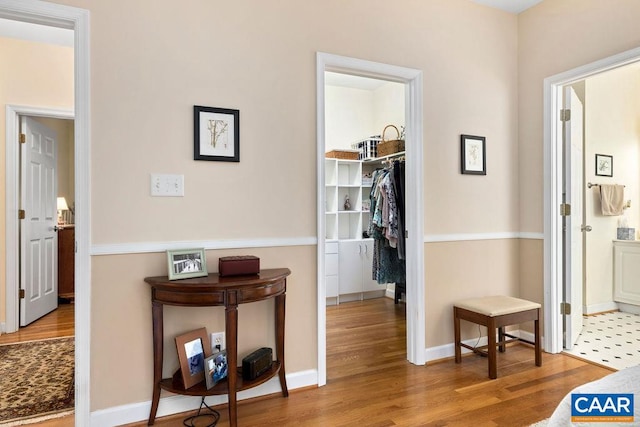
(193, 348)
(473, 154)
(604, 165)
(186, 263)
(216, 134)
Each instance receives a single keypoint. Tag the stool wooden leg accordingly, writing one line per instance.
(456, 332)
(536, 327)
(491, 333)
(502, 347)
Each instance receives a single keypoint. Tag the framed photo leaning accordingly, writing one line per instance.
(193, 348)
(185, 263)
(473, 155)
(215, 368)
(216, 134)
(604, 165)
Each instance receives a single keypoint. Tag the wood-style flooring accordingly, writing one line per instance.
(371, 384)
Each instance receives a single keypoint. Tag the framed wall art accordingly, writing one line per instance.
(604, 165)
(473, 155)
(216, 134)
(193, 348)
(186, 263)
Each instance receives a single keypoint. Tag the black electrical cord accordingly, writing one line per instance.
(215, 415)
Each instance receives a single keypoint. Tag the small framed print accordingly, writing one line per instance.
(186, 263)
(604, 165)
(216, 134)
(215, 368)
(193, 347)
(473, 155)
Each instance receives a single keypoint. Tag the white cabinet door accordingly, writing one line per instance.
(368, 284)
(626, 272)
(350, 271)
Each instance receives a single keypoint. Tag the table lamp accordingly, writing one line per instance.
(62, 206)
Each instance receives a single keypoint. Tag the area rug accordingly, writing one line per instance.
(36, 379)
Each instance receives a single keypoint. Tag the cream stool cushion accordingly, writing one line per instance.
(496, 305)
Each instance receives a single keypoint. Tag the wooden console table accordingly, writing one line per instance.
(213, 290)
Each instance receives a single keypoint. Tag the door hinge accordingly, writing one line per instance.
(565, 308)
(565, 115)
(565, 209)
(23, 138)
(21, 293)
(22, 214)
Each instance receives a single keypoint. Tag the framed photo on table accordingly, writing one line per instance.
(216, 134)
(473, 155)
(193, 348)
(186, 263)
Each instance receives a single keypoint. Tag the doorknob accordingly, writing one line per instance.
(56, 228)
(586, 228)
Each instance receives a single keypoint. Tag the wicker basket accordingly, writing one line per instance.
(391, 146)
(342, 154)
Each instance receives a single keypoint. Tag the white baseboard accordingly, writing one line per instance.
(176, 404)
(628, 308)
(3, 328)
(448, 350)
(601, 307)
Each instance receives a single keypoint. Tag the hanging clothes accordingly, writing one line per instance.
(386, 225)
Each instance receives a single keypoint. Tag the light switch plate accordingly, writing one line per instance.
(165, 185)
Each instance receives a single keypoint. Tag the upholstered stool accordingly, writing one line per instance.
(496, 312)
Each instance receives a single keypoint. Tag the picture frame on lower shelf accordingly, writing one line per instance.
(215, 368)
(193, 348)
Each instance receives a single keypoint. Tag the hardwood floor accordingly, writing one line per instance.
(58, 323)
(371, 384)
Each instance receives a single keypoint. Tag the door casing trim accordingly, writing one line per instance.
(553, 168)
(57, 15)
(412, 80)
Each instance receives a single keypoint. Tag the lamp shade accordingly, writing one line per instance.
(62, 204)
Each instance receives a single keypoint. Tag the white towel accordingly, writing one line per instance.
(612, 199)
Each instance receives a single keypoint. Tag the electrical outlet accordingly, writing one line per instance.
(218, 339)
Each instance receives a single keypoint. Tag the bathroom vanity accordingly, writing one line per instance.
(626, 271)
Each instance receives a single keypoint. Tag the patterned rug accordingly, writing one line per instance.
(36, 379)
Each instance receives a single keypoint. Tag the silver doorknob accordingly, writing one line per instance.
(586, 228)
(56, 228)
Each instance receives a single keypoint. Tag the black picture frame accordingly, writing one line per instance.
(604, 165)
(216, 134)
(473, 155)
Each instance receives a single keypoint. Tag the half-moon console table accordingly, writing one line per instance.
(213, 290)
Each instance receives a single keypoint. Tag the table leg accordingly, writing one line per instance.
(158, 338)
(491, 335)
(231, 327)
(280, 311)
(456, 335)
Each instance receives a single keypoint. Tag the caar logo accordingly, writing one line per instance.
(601, 407)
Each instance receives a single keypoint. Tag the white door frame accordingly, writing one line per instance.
(412, 79)
(52, 14)
(553, 169)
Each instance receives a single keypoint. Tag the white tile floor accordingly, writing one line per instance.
(610, 339)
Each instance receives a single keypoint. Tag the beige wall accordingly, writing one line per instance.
(259, 57)
(36, 75)
(553, 37)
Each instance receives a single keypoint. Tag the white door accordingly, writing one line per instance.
(575, 227)
(38, 239)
